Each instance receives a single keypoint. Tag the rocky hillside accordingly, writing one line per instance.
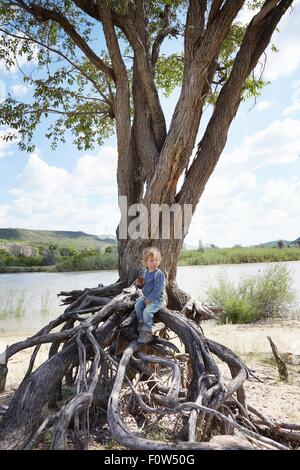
(29, 242)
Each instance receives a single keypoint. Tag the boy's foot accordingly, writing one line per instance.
(145, 337)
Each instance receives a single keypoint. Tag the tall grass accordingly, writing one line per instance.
(19, 307)
(237, 255)
(45, 298)
(12, 305)
(89, 263)
(267, 294)
(5, 308)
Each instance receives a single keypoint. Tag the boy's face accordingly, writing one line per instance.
(152, 263)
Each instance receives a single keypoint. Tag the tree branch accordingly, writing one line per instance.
(180, 140)
(133, 26)
(60, 54)
(147, 150)
(122, 102)
(66, 113)
(42, 14)
(268, 6)
(257, 37)
(166, 31)
(194, 29)
(90, 8)
(214, 10)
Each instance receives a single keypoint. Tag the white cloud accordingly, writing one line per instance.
(5, 146)
(279, 208)
(220, 187)
(263, 105)
(3, 212)
(97, 174)
(286, 40)
(246, 15)
(295, 106)
(17, 60)
(19, 89)
(235, 209)
(278, 143)
(2, 91)
(13, 69)
(269, 214)
(49, 197)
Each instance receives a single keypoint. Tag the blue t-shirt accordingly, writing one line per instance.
(154, 284)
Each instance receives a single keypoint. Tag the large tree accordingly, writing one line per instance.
(92, 94)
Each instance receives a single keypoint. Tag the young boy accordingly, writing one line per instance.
(152, 282)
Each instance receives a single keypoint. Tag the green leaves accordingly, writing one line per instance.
(253, 86)
(169, 72)
(70, 91)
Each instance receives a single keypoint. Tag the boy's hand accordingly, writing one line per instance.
(139, 282)
(147, 301)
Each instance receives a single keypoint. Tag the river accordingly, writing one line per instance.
(29, 301)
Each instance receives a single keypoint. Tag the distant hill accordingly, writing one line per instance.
(79, 240)
(274, 243)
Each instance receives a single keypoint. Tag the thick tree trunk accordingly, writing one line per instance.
(130, 262)
(131, 256)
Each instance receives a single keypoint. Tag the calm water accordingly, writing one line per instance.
(28, 301)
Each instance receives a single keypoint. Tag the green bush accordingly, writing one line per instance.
(22, 260)
(89, 263)
(19, 260)
(238, 310)
(256, 297)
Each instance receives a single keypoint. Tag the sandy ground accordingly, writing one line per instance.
(17, 365)
(271, 396)
(252, 338)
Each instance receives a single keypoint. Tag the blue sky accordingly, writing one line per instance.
(252, 197)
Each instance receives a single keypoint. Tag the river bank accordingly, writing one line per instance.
(28, 301)
(203, 257)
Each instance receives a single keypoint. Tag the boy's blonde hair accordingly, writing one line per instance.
(150, 253)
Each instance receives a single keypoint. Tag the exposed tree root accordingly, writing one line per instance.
(152, 397)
